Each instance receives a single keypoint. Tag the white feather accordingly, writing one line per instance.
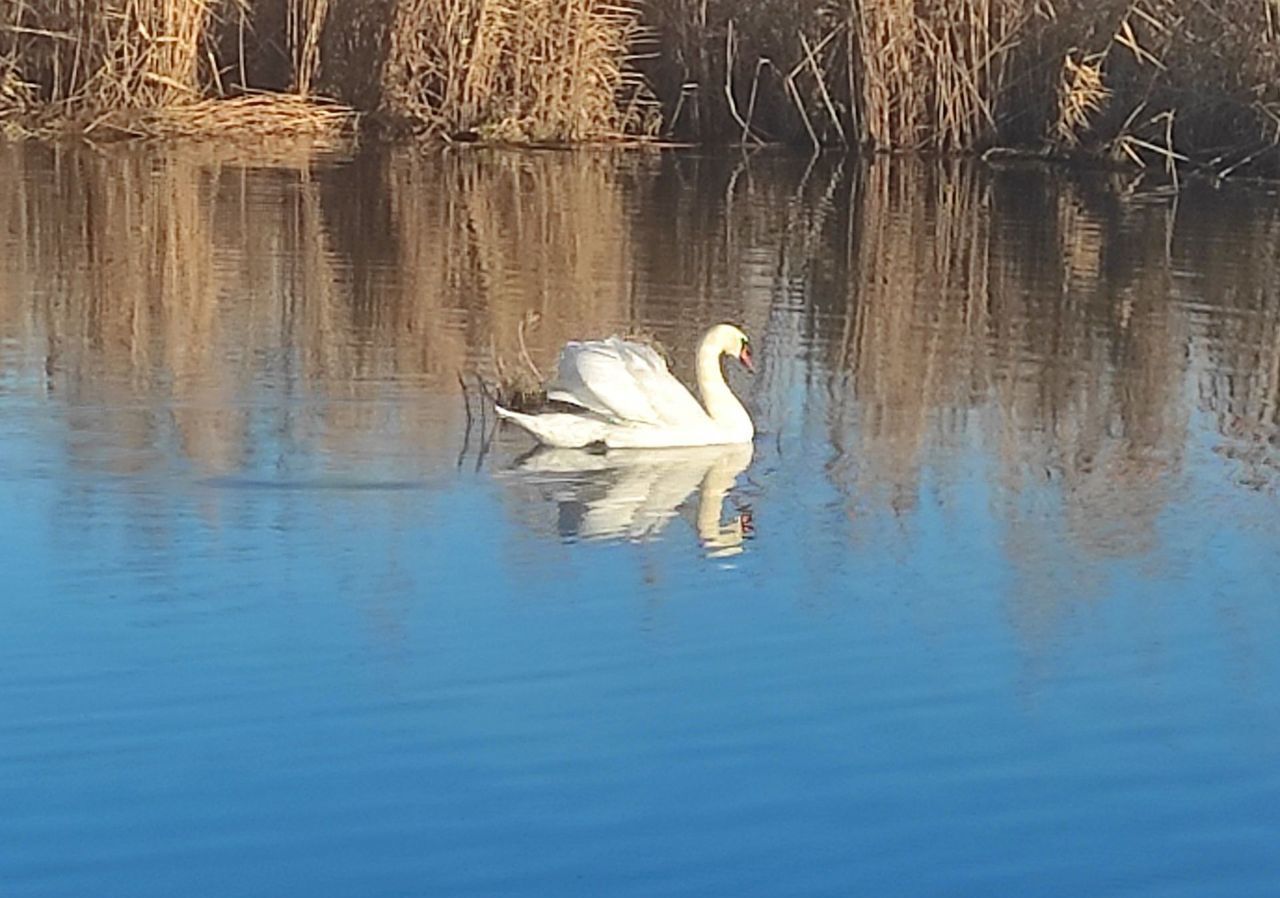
(564, 430)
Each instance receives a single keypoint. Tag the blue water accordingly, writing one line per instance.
(992, 609)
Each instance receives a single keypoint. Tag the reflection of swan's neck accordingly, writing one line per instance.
(722, 406)
(718, 538)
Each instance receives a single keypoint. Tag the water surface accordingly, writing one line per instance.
(988, 608)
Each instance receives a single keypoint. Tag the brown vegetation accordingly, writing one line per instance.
(143, 68)
(1147, 81)
(1152, 82)
(504, 69)
(508, 69)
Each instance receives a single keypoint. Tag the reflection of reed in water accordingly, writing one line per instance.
(1091, 373)
(483, 238)
(120, 252)
(1034, 321)
(1239, 381)
(144, 281)
(906, 345)
(180, 299)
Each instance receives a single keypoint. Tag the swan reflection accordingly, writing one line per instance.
(633, 494)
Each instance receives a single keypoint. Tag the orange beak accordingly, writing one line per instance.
(745, 358)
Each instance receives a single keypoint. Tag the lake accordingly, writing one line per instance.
(989, 607)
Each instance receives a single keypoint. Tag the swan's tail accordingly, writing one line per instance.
(558, 429)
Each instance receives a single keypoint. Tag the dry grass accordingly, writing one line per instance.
(892, 74)
(530, 70)
(1153, 81)
(107, 54)
(306, 25)
(930, 76)
(1156, 82)
(1081, 96)
(251, 116)
(509, 69)
(145, 68)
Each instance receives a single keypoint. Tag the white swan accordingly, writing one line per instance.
(628, 398)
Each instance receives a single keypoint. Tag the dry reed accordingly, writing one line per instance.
(1154, 82)
(509, 69)
(106, 54)
(1081, 96)
(144, 68)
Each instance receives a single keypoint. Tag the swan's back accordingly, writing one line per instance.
(625, 382)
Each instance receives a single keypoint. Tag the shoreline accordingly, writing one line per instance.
(338, 130)
(1136, 83)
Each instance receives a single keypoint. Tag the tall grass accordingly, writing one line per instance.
(142, 68)
(518, 69)
(521, 69)
(891, 74)
(105, 54)
(1150, 81)
(1154, 82)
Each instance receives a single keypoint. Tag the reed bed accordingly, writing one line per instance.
(247, 117)
(528, 70)
(509, 69)
(1151, 82)
(146, 68)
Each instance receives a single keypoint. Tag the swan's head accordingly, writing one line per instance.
(725, 339)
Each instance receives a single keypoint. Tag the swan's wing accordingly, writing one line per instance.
(626, 381)
(670, 398)
(558, 429)
(601, 375)
(568, 384)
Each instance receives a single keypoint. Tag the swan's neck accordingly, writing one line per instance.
(722, 406)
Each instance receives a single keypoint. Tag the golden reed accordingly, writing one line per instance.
(1156, 82)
